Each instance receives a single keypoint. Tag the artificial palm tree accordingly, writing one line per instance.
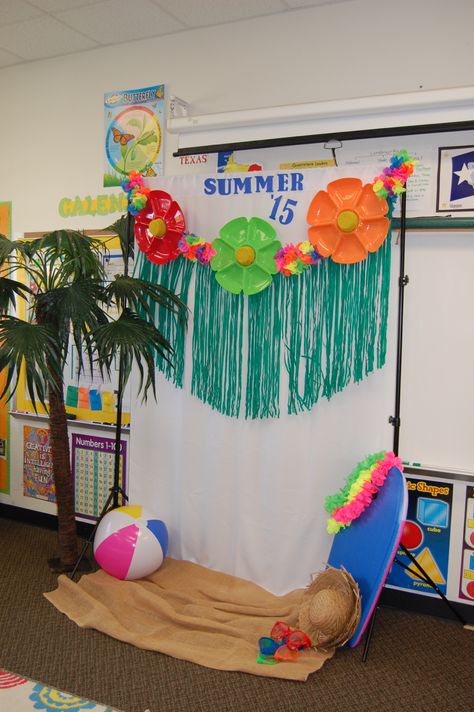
(68, 298)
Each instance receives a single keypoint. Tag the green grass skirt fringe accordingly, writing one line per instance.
(315, 333)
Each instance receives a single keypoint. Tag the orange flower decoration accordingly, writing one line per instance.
(348, 221)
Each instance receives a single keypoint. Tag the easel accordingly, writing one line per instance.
(116, 490)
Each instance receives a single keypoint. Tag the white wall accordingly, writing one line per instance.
(51, 122)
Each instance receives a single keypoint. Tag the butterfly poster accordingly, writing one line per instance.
(133, 133)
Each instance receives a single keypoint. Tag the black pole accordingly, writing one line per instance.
(395, 419)
(402, 283)
(423, 575)
(116, 489)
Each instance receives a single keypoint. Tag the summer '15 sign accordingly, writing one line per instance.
(133, 133)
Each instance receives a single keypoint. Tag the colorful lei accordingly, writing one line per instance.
(136, 191)
(359, 491)
(294, 259)
(392, 181)
(195, 248)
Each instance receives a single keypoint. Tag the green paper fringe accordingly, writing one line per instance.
(175, 276)
(325, 328)
(217, 344)
(335, 327)
(264, 351)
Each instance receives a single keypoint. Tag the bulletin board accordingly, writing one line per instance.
(31, 481)
(88, 396)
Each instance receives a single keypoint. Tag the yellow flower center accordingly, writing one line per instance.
(245, 255)
(157, 227)
(347, 220)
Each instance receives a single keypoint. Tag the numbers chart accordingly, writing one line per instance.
(93, 461)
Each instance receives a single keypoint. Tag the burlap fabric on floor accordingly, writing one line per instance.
(190, 612)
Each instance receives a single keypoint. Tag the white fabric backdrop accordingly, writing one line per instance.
(247, 497)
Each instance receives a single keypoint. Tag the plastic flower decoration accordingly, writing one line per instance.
(159, 227)
(347, 221)
(245, 252)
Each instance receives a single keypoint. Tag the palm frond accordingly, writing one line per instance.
(12, 251)
(123, 227)
(35, 347)
(10, 289)
(135, 340)
(74, 309)
(80, 255)
(137, 294)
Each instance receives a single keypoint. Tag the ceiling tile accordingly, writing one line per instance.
(42, 37)
(202, 13)
(7, 58)
(116, 21)
(58, 5)
(311, 3)
(16, 11)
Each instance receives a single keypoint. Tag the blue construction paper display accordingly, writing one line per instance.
(367, 548)
(95, 399)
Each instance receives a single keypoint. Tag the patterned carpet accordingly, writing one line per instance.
(22, 695)
(416, 663)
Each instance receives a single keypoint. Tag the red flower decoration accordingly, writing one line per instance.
(159, 227)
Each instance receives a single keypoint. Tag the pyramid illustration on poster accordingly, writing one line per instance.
(427, 562)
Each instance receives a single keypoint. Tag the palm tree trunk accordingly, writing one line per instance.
(67, 532)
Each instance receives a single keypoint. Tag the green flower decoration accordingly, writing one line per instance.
(245, 255)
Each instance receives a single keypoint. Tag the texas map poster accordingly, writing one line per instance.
(455, 179)
(133, 133)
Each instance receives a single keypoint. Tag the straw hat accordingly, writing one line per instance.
(330, 609)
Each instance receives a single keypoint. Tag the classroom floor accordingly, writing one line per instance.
(416, 663)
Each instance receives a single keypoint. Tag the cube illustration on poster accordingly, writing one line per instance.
(433, 513)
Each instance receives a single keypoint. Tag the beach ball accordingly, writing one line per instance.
(130, 542)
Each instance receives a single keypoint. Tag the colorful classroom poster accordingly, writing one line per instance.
(133, 133)
(93, 460)
(466, 586)
(37, 464)
(455, 179)
(5, 229)
(426, 536)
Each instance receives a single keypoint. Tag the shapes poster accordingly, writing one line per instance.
(133, 133)
(93, 462)
(466, 587)
(37, 464)
(426, 535)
